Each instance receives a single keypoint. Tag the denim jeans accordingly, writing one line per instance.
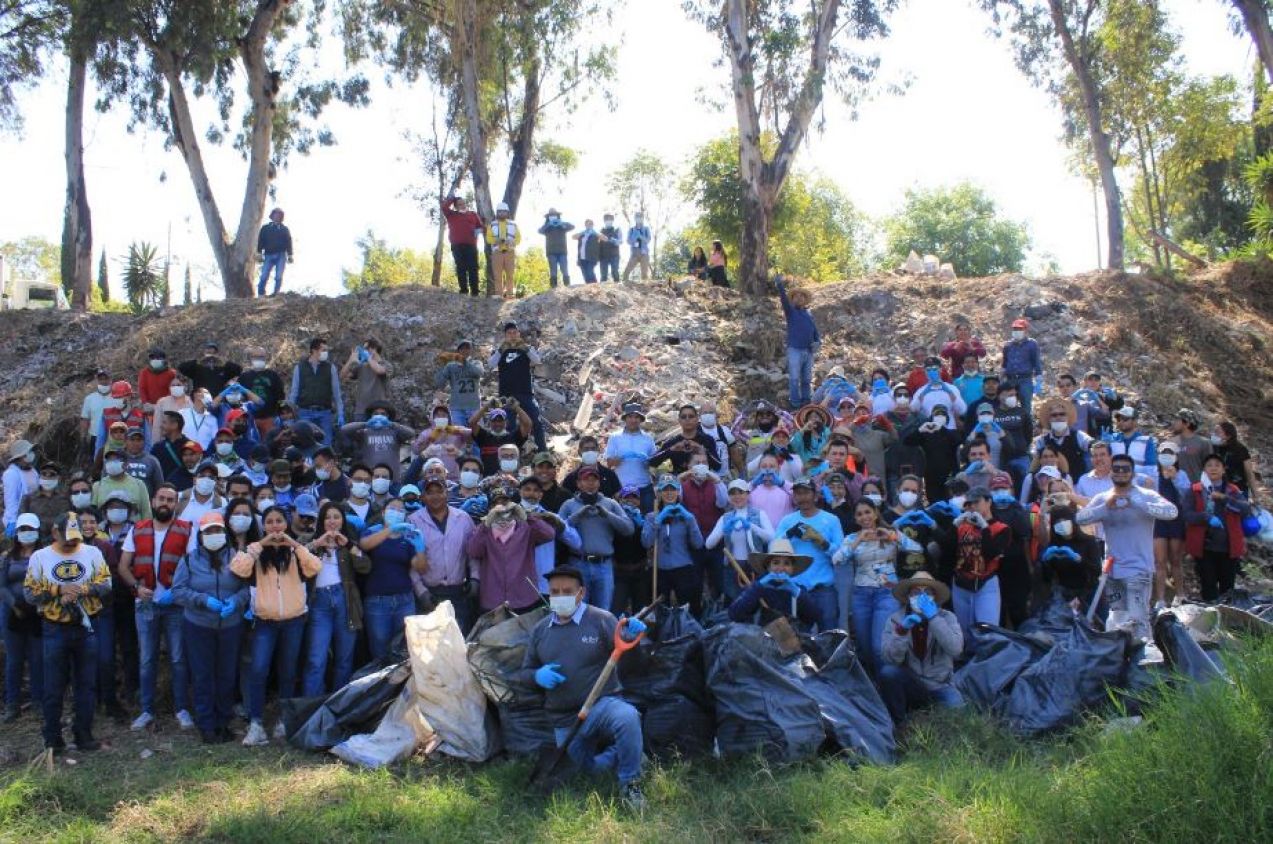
(872, 606)
(799, 376)
(214, 665)
(687, 583)
(610, 268)
(610, 739)
(844, 597)
(902, 690)
(598, 581)
(152, 621)
(589, 270)
(321, 418)
(558, 261)
(980, 607)
(383, 617)
(826, 606)
(531, 407)
(461, 417)
(276, 261)
(22, 648)
(70, 655)
(1129, 603)
(269, 638)
(327, 628)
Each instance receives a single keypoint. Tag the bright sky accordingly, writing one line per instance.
(968, 114)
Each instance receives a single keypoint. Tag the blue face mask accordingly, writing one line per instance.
(411, 506)
(879, 385)
(934, 374)
(395, 517)
(1002, 499)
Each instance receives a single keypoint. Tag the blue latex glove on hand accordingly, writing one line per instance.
(363, 355)
(475, 506)
(781, 582)
(634, 628)
(417, 541)
(548, 677)
(668, 514)
(1215, 522)
(356, 522)
(11, 529)
(213, 604)
(227, 609)
(1061, 553)
(634, 455)
(943, 508)
(165, 599)
(975, 467)
(927, 606)
(248, 615)
(915, 517)
(911, 620)
(378, 421)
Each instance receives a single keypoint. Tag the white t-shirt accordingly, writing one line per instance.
(94, 404)
(329, 574)
(200, 427)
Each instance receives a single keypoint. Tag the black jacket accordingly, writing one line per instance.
(274, 238)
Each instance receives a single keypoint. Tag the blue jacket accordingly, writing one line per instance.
(677, 538)
(802, 332)
(1022, 358)
(196, 579)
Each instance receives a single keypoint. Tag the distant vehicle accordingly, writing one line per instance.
(22, 293)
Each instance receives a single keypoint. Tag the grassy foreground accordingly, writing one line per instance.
(1200, 768)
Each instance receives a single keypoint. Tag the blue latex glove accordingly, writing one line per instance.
(634, 514)
(1215, 522)
(1038, 384)
(356, 522)
(1061, 553)
(417, 541)
(401, 528)
(548, 677)
(11, 529)
(781, 582)
(667, 514)
(230, 390)
(911, 620)
(213, 604)
(227, 609)
(634, 455)
(363, 355)
(916, 517)
(378, 421)
(475, 506)
(943, 508)
(165, 599)
(635, 628)
(248, 615)
(975, 467)
(927, 606)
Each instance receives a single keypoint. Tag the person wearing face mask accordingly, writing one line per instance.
(153, 379)
(599, 521)
(919, 647)
(210, 372)
(441, 440)
(1062, 434)
(449, 573)
(769, 492)
(80, 492)
(631, 561)
(774, 594)
(266, 383)
(503, 547)
(937, 391)
(494, 431)
(567, 537)
(790, 466)
(629, 453)
(315, 390)
(359, 503)
(555, 250)
(742, 529)
(681, 446)
(815, 533)
(175, 399)
(900, 458)
(981, 540)
(95, 401)
(1017, 428)
(551, 494)
(172, 439)
(282, 492)
(972, 383)
(67, 582)
(123, 407)
(565, 656)
(986, 429)
(115, 479)
(1018, 568)
(20, 620)
(140, 463)
(1071, 559)
(367, 368)
(202, 497)
(1214, 509)
(335, 616)
(590, 455)
(467, 493)
(639, 238)
(703, 495)
(47, 501)
(1023, 364)
(588, 251)
(258, 468)
(940, 442)
(199, 421)
(119, 512)
(510, 465)
(105, 622)
(880, 393)
(382, 485)
(1127, 513)
(755, 425)
(330, 483)
(1139, 445)
(722, 438)
(908, 517)
(1239, 467)
(236, 399)
(213, 599)
(611, 238)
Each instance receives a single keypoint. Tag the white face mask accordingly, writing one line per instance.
(225, 449)
(940, 421)
(264, 504)
(114, 468)
(509, 466)
(322, 356)
(104, 389)
(957, 502)
(563, 606)
(700, 470)
(589, 458)
(441, 421)
(359, 489)
(214, 541)
(258, 363)
(985, 418)
(80, 500)
(1059, 427)
(282, 488)
(1010, 401)
(907, 498)
(1216, 439)
(1018, 334)
(117, 516)
(176, 391)
(240, 523)
(1064, 528)
(323, 474)
(380, 485)
(902, 401)
(205, 486)
(28, 537)
(1167, 459)
(48, 484)
(469, 479)
(708, 420)
(875, 498)
(158, 363)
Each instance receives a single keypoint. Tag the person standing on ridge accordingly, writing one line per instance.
(503, 235)
(275, 245)
(462, 228)
(639, 240)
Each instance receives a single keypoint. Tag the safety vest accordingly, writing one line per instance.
(1196, 535)
(174, 548)
(134, 418)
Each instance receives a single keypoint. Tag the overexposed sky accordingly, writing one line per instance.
(967, 114)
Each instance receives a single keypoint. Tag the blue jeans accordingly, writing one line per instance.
(22, 648)
(589, 270)
(321, 418)
(461, 417)
(799, 376)
(556, 261)
(902, 690)
(610, 268)
(285, 637)
(872, 606)
(383, 617)
(598, 580)
(1025, 389)
(214, 666)
(70, 654)
(327, 629)
(610, 739)
(531, 407)
(276, 261)
(825, 602)
(980, 607)
(153, 621)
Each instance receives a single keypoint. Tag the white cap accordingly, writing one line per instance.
(503, 206)
(1050, 471)
(28, 520)
(739, 483)
(1126, 411)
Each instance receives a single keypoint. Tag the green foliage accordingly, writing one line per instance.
(957, 224)
(387, 266)
(646, 183)
(33, 257)
(144, 276)
(531, 274)
(1259, 178)
(27, 29)
(103, 280)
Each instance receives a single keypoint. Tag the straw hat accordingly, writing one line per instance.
(922, 578)
(759, 560)
(1058, 403)
(803, 415)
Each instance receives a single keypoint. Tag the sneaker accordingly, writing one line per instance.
(87, 744)
(256, 736)
(632, 797)
(184, 720)
(141, 722)
(280, 731)
(1159, 607)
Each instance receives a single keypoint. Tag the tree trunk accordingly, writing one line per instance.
(753, 260)
(77, 224)
(466, 46)
(1256, 18)
(522, 145)
(1101, 149)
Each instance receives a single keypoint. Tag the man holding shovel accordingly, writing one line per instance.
(569, 655)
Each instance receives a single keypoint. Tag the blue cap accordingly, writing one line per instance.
(306, 505)
(667, 482)
(409, 489)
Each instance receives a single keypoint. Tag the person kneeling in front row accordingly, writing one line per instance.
(921, 641)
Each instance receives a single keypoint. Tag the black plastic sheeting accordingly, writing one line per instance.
(356, 707)
(1182, 653)
(999, 657)
(496, 648)
(854, 716)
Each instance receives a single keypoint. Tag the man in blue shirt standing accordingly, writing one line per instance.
(814, 533)
(275, 245)
(1023, 364)
(639, 240)
(803, 342)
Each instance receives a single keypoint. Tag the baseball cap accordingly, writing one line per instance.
(667, 482)
(629, 491)
(118, 424)
(739, 483)
(434, 481)
(1021, 323)
(1001, 480)
(101, 373)
(120, 389)
(135, 432)
(210, 519)
(408, 489)
(68, 525)
(121, 496)
(277, 467)
(306, 505)
(28, 520)
(1169, 445)
(543, 457)
(1050, 472)
(291, 454)
(191, 445)
(462, 343)
(1188, 417)
(803, 481)
(585, 471)
(510, 324)
(1126, 412)
(226, 431)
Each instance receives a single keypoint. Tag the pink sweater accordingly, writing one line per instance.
(507, 569)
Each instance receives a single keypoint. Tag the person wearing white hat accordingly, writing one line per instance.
(20, 478)
(743, 528)
(503, 235)
(1140, 446)
(921, 641)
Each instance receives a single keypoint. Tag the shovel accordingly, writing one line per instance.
(542, 776)
(1100, 588)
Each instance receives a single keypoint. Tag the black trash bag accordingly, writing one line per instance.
(999, 657)
(1073, 677)
(1183, 654)
(855, 719)
(667, 661)
(496, 648)
(1051, 622)
(821, 647)
(525, 731)
(677, 727)
(760, 706)
(354, 708)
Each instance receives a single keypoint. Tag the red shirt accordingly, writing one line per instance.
(152, 385)
(461, 226)
(919, 378)
(700, 500)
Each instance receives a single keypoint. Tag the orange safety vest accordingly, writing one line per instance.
(174, 548)
(1196, 535)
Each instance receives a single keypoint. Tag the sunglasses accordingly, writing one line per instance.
(1121, 469)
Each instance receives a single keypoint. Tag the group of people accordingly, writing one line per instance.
(236, 516)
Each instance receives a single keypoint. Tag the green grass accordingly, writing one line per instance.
(1200, 768)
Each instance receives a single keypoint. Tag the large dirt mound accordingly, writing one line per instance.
(1204, 342)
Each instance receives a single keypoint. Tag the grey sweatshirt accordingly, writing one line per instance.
(580, 647)
(597, 529)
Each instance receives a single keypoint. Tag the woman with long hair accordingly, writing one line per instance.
(335, 605)
(21, 621)
(698, 263)
(716, 264)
